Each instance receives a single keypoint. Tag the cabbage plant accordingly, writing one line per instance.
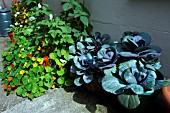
(136, 71)
(90, 56)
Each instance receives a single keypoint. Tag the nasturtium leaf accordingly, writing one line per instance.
(35, 88)
(10, 57)
(37, 94)
(24, 93)
(16, 81)
(31, 96)
(61, 80)
(19, 90)
(29, 87)
(4, 52)
(53, 56)
(25, 80)
(49, 69)
(11, 83)
(40, 83)
(42, 89)
(61, 72)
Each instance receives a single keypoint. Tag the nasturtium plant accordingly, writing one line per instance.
(37, 58)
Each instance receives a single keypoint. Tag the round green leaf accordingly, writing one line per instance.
(15, 81)
(61, 80)
(34, 88)
(25, 80)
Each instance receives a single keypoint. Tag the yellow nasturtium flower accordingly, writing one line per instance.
(35, 64)
(22, 72)
(40, 60)
(33, 58)
(53, 86)
(22, 49)
(24, 17)
(25, 64)
(19, 55)
(26, 21)
(27, 95)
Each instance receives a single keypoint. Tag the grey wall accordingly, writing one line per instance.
(151, 16)
(7, 3)
(116, 16)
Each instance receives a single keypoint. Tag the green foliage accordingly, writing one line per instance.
(38, 55)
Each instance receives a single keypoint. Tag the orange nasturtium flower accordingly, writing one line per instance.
(35, 64)
(22, 72)
(39, 48)
(33, 58)
(4, 86)
(60, 67)
(54, 78)
(9, 79)
(9, 88)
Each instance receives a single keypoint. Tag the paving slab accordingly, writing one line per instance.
(58, 101)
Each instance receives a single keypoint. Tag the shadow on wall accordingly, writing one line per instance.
(54, 5)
